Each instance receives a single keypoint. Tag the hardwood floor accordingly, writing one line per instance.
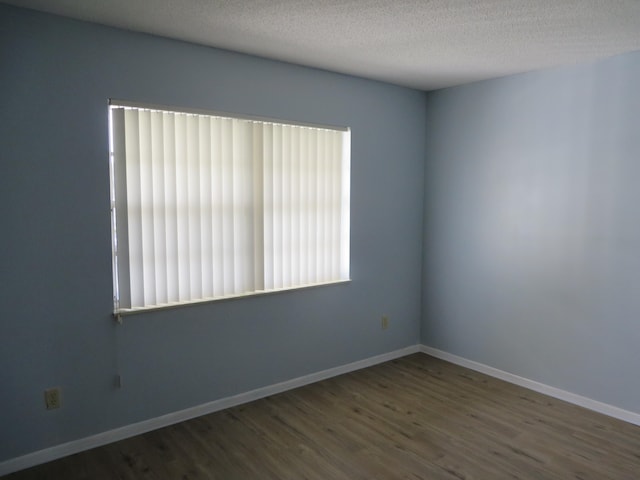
(413, 418)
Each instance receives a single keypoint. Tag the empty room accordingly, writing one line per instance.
(325, 240)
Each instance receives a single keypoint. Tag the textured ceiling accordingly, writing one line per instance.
(422, 44)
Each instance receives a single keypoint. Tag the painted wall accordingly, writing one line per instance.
(532, 227)
(55, 281)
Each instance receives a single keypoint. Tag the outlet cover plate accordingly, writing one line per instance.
(52, 398)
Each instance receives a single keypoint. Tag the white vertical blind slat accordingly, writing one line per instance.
(192, 173)
(158, 234)
(242, 205)
(313, 205)
(294, 206)
(335, 205)
(217, 238)
(277, 206)
(304, 205)
(228, 252)
(345, 210)
(285, 206)
(322, 210)
(182, 208)
(170, 207)
(206, 210)
(146, 208)
(258, 206)
(268, 202)
(134, 208)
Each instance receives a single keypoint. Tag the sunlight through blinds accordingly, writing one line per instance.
(208, 207)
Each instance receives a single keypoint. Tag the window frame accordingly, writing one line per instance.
(118, 202)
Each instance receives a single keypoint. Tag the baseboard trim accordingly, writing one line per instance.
(87, 443)
(558, 393)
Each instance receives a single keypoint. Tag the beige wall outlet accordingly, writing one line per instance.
(52, 398)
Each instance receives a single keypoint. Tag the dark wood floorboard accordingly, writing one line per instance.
(417, 417)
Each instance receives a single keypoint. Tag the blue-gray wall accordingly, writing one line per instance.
(531, 234)
(55, 277)
(532, 227)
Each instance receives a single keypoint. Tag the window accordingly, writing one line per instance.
(206, 207)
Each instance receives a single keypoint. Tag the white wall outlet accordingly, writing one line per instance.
(385, 322)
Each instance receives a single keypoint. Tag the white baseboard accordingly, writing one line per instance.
(585, 402)
(80, 445)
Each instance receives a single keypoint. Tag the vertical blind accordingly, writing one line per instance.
(207, 207)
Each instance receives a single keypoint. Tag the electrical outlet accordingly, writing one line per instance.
(385, 322)
(52, 398)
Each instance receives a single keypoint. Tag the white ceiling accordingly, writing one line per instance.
(424, 44)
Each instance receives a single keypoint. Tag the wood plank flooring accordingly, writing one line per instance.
(412, 418)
